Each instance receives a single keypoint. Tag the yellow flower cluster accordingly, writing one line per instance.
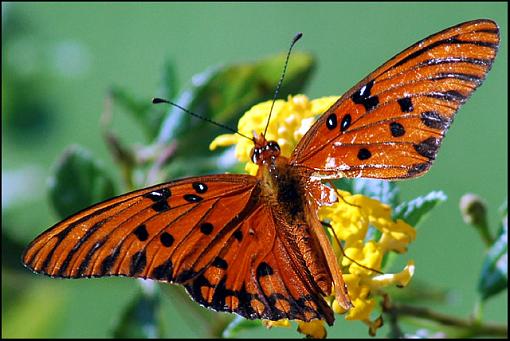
(290, 120)
(351, 218)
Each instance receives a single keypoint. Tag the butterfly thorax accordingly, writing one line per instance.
(285, 189)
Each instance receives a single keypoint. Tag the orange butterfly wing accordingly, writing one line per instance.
(256, 276)
(213, 234)
(390, 125)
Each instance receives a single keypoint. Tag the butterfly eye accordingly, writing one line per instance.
(255, 155)
(274, 147)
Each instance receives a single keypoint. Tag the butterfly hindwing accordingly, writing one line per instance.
(256, 276)
(391, 124)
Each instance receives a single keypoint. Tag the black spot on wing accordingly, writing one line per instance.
(346, 122)
(331, 121)
(238, 235)
(264, 269)
(363, 96)
(85, 263)
(364, 154)
(199, 187)
(418, 169)
(219, 262)
(206, 228)
(166, 239)
(141, 233)
(434, 120)
(397, 129)
(163, 272)
(192, 198)
(428, 148)
(406, 104)
(159, 198)
(138, 263)
(108, 261)
(160, 206)
(159, 195)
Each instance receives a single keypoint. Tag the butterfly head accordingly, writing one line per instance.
(263, 150)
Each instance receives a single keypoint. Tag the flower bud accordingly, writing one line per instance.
(474, 212)
(473, 209)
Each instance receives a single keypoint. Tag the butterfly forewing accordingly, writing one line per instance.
(131, 234)
(390, 125)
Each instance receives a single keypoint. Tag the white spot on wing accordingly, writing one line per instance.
(330, 162)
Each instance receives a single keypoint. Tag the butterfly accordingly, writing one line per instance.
(254, 245)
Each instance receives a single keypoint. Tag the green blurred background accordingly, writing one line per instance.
(59, 60)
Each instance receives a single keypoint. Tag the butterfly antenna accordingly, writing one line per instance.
(296, 38)
(157, 100)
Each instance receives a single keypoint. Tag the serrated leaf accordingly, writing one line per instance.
(382, 190)
(224, 93)
(494, 274)
(139, 320)
(415, 210)
(239, 324)
(78, 181)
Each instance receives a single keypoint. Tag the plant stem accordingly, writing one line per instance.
(470, 327)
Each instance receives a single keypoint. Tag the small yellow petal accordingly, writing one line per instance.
(314, 329)
(361, 309)
(400, 279)
(251, 168)
(280, 323)
(320, 105)
(223, 141)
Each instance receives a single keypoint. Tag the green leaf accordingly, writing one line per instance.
(78, 182)
(503, 209)
(345, 184)
(140, 320)
(382, 190)
(169, 83)
(239, 324)
(224, 93)
(415, 210)
(147, 115)
(494, 274)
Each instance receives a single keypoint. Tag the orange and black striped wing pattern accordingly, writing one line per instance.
(136, 233)
(391, 124)
(213, 234)
(256, 276)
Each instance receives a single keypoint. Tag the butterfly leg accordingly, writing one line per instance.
(329, 226)
(330, 183)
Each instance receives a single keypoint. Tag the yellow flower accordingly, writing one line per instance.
(353, 218)
(290, 120)
(313, 329)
